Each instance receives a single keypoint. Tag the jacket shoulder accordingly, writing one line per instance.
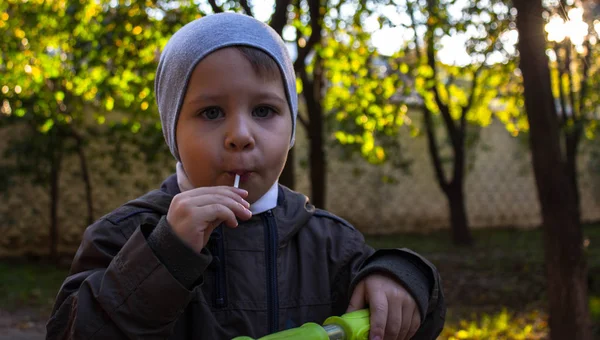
(324, 214)
(131, 214)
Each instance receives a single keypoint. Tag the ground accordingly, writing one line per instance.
(494, 290)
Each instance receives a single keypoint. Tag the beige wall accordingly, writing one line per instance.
(500, 191)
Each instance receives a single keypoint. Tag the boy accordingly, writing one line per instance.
(201, 259)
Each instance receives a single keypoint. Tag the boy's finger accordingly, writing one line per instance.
(378, 306)
(215, 214)
(415, 323)
(223, 190)
(238, 208)
(407, 314)
(358, 298)
(394, 326)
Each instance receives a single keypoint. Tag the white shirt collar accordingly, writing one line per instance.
(267, 201)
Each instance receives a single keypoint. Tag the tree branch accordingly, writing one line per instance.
(583, 85)
(315, 34)
(562, 98)
(465, 109)
(434, 150)
(247, 9)
(302, 121)
(85, 173)
(572, 93)
(427, 115)
(214, 6)
(279, 17)
(413, 26)
(444, 110)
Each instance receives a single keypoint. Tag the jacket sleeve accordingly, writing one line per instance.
(118, 285)
(417, 275)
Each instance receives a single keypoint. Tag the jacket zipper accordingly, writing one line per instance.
(219, 251)
(271, 262)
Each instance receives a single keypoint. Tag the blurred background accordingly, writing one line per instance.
(416, 124)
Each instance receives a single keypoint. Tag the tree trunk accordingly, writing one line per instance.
(461, 234)
(279, 18)
(288, 176)
(55, 165)
(565, 264)
(572, 139)
(454, 191)
(278, 21)
(86, 179)
(318, 165)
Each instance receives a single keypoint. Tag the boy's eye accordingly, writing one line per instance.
(263, 112)
(212, 113)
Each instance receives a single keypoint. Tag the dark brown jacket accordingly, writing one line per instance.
(133, 278)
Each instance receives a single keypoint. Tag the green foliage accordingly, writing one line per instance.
(71, 68)
(372, 99)
(359, 98)
(502, 325)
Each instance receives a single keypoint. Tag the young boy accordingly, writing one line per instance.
(201, 259)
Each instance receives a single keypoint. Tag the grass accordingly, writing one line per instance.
(29, 285)
(494, 290)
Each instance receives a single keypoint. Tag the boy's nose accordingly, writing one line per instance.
(239, 135)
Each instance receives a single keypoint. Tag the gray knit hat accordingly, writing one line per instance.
(194, 41)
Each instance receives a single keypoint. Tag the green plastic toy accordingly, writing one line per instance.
(350, 326)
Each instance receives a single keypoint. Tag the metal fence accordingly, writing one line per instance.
(499, 187)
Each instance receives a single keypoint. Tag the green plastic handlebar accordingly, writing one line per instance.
(356, 324)
(350, 326)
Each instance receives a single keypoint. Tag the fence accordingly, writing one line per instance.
(500, 191)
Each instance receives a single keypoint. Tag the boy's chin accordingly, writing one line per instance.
(255, 192)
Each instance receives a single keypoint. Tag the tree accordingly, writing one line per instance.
(78, 58)
(308, 40)
(38, 99)
(458, 94)
(572, 75)
(563, 242)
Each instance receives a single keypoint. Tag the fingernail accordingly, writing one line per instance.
(246, 204)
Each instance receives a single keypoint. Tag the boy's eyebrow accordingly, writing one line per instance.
(211, 98)
(266, 95)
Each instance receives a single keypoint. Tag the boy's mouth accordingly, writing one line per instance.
(244, 174)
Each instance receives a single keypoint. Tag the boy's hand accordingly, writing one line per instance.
(394, 312)
(194, 214)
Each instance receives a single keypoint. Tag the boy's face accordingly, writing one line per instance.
(233, 121)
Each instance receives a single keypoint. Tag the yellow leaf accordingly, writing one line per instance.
(462, 334)
(59, 96)
(19, 33)
(110, 104)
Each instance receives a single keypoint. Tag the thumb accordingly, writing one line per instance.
(357, 301)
